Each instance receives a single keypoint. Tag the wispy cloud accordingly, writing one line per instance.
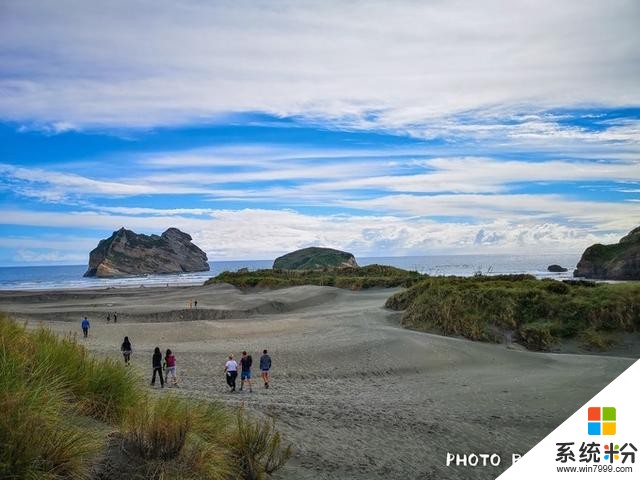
(603, 216)
(318, 181)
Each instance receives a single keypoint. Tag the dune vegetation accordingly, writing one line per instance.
(351, 278)
(539, 314)
(65, 414)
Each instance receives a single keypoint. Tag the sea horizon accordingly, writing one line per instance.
(50, 277)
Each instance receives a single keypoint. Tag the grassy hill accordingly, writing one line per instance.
(67, 415)
(537, 313)
(313, 258)
(355, 278)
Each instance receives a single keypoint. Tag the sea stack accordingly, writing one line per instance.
(556, 268)
(127, 253)
(315, 258)
(620, 261)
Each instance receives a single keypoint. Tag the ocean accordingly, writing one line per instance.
(70, 276)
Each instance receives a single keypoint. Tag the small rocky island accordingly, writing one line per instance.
(314, 258)
(127, 253)
(620, 261)
(556, 268)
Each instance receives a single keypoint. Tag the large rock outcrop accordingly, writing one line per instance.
(620, 261)
(314, 258)
(128, 253)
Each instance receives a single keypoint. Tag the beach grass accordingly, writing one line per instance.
(540, 314)
(180, 438)
(38, 437)
(259, 447)
(351, 278)
(65, 414)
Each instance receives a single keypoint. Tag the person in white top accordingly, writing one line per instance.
(231, 370)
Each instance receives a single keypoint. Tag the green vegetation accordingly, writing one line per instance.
(356, 278)
(538, 313)
(314, 257)
(65, 414)
(258, 447)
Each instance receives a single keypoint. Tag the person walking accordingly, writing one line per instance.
(231, 370)
(115, 317)
(170, 366)
(125, 348)
(245, 370)
(265, 366)
(85, 327)
(156, 363)
(108, 317)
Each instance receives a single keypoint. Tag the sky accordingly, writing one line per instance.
(381, 128)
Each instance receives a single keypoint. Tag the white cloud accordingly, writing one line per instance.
(138, 63)
(261, 233)
(598, 216)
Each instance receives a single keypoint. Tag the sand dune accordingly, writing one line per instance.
(358, 396)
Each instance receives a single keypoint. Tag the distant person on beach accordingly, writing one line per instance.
(265, 366)
(85, 327)
(156, 362)
(170, 366)
(108, 317)
(231, 370)
(245, 370)
(126, 350)
(195, 304)
(115, 317)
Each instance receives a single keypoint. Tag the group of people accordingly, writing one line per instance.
(246, 362)
(165, 367)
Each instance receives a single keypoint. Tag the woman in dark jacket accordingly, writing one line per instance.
(157, 366)
(126, 350)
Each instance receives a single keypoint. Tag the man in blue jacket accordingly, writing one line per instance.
(85, 327)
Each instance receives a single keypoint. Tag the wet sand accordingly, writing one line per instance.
(357, 395)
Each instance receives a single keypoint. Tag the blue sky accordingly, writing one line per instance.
(417, 128)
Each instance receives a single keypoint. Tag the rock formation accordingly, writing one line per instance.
(620, 261)
(556, 268)
(128, 253)
(314, 258)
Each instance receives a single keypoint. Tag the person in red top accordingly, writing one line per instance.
(170, 367)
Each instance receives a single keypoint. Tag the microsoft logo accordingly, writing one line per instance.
(602, 420)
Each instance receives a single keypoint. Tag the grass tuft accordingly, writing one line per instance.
(259, 448)
(178, 438)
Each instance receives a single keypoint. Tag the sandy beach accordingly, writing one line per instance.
(358, 396)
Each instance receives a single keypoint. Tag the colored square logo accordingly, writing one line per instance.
(594, 428)
(601, 421)
(594, 414)
(608, 428)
